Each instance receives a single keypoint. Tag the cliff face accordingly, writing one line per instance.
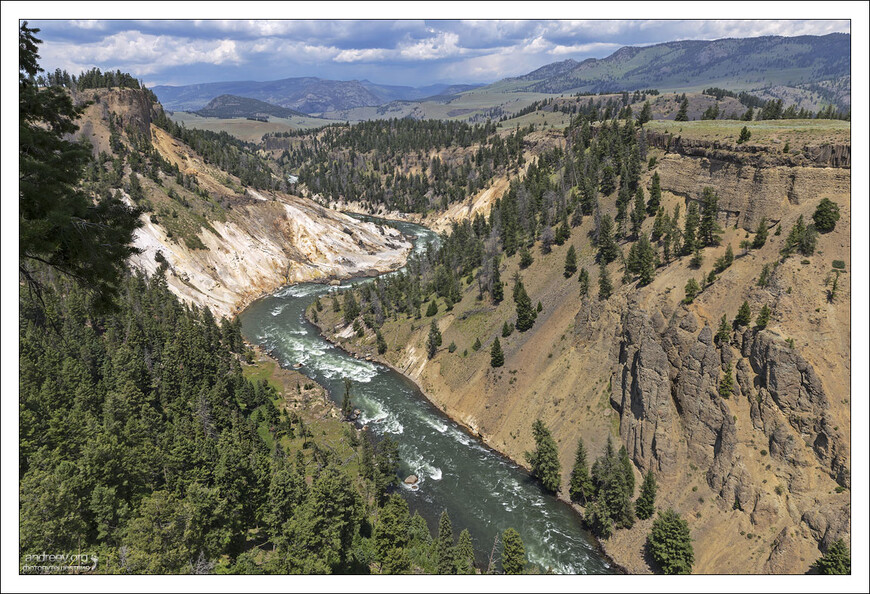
(752, 182)
(225, 245)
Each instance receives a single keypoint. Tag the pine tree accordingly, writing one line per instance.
(692, 289)
(584, 282)
(432, 309)
(708, 228)
(391, 536)
(638, 213)
(836, 561)
(513, 559)
(645, 114)
(670, 543)
(760, 234)
(745, 134)
(351, 307)
(497, 292)
(506, 329)
(496, 354)
(346, 404)
(526, 258)
(690, 230)
(607, 248)
(826, 216)
(465, 554)
(445, 552)
(545, 459)
(570, 262)
(581, 489)
(723, 333)
(744, 315)
(726, 386)
(605, 287)
(525, 311)
(434, 340)
(381, 343)
(645, 504)
(598, 519)
(683, 112)
(655, 195)
(763, 317)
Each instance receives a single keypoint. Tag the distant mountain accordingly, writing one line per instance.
(750, 63)
(308, 94)
(233, 106)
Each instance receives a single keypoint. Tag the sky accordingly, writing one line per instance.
(397, 52)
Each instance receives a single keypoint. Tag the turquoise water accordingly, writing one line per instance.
(482, 490)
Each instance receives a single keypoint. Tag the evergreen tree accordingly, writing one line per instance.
(497, 291)
(381, 343)
(346, 404)
(581, 489)
(690, 230)
(692, 289)
(525, 311)
(645, 114)
(744, 315)
(638, 213)
(496, 354)
(570, 262)
(506, 329)
(584, 282)
(760, 234)
(641, 260)
(726, 386)
(391, 536)
(826, 216)
(801, 239)
(465, 554)
(351, 307)
(745, 134)
(763, 317)
(526, 258)
(670, 543)
(645, 504)
(513, 559)
(545, 459)
(655, 195)
(605, 287)
(432, 309)
(723, 333)
(836, 561)
(434, 340)
(683, 112)
(598, 519)
(708, 229)
(607, 248)
(445, 552)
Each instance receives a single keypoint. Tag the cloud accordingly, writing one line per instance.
(391, 52)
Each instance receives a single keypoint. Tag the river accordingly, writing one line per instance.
(482, 490)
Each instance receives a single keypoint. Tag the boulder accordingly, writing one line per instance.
(412, 479)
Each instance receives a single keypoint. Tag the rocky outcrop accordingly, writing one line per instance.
(667, 370)
(747, 193)
(754, 155)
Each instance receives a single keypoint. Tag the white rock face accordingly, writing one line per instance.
(277, 240)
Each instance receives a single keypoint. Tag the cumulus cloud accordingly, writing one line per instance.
(384, 50)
